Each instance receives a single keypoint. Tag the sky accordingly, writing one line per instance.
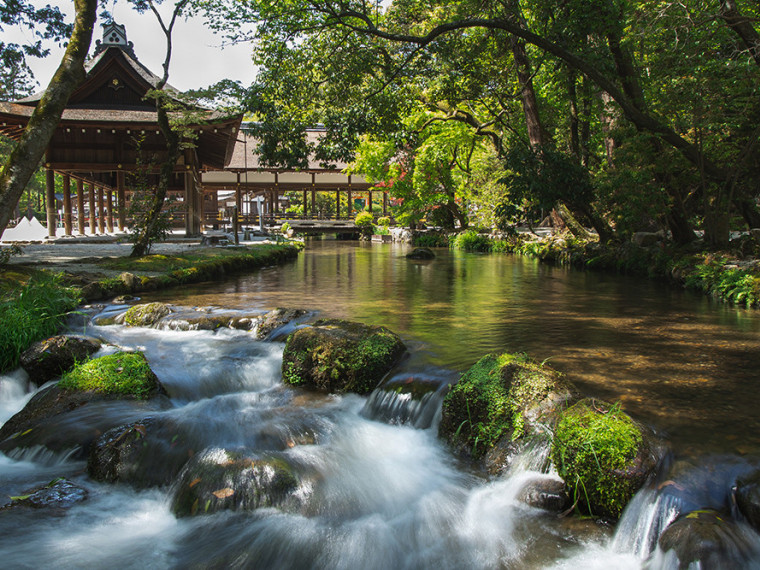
(198, 57)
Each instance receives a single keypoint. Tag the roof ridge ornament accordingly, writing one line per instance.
(114, 35)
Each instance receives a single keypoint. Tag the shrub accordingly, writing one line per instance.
(384, 221)
(33, 313)
(430, 240)
(364, 220)
(471, 241)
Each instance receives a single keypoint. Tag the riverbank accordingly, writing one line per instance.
(39, 286)
(731, 275)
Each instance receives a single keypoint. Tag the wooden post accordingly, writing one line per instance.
(50, 202)
(239, 195)
(80, 206)
(91, 198)
(369, 201)
(276, 193)
(101, 212)
(313, 196)
(109, 217)
(305, 204)
(385, 203)
(350, 205)
(337, 204)
(67, 204)
(122, 196)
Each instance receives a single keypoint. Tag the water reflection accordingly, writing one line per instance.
(678, 361)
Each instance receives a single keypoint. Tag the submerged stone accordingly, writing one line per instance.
(546, 493)
(58, 494)
(748, 498)
(421, 253)
(220, 479)
(340, 356)
(48, 359)
(503, 396)
(603, 456)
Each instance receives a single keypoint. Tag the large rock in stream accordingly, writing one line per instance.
(49, 358)
(220, 479)
(340, 356)
(91, 398)
(147, 453)
(502, 399)
(603, 456)
(708, 539)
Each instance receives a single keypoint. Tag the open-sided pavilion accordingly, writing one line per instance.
(108, 144)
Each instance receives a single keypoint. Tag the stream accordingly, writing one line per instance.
(377, 489)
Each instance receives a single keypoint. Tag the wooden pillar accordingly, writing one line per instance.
(109, 217)
(276, 193)
(91, 199)
(305, 204)
(385, 203)
(101, 212)
(80, 206)
(337, 203)
(350, 205)
(50, 202)
(122, 196)
(238, 195)
(369, 201)
(66, 204)
(313, 196)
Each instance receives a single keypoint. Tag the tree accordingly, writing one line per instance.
(26, 155)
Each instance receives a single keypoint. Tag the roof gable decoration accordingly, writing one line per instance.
(114, 35)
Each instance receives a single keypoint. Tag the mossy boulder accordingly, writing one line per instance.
(340, 356)
(505, 396)
(603, 456)
(147, 453)
(709, 539)
(146, 314)
(49, 358)
(56, 417)
(125, 374)
(748, 498)
(546, 493)
(220, 479)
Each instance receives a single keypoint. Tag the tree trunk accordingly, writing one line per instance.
(28, 152)
(572, 95)
(742, 26)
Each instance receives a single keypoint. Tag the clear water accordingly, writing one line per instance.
(378, 490)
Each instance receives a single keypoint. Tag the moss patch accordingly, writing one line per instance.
(146, 315)
(123, 373)
(498, 397)
(340, 356)
(595, 450)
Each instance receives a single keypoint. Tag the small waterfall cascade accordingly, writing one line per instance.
(408, 400)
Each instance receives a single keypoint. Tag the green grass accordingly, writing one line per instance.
(32, 312)
(124, 373)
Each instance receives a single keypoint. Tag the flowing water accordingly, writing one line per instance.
(377, 489)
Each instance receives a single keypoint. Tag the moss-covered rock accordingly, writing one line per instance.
(422, 253)
(146, 314)
(220, 479)
(501, 396)
(123, 374)
(603, 456)
(49, 358)
(340, 356)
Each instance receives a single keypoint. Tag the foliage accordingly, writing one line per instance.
(431, 239)
(384, 221)
(593, 444)
(123, 373)
(6, 252)
(284, 228)
(31, 313)
(146, 227)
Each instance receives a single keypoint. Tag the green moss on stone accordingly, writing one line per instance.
(495, 398)
(146, 314)
(340, 356)
(123, 373)
(594, 449)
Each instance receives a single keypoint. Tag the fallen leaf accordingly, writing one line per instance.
(223, 493)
